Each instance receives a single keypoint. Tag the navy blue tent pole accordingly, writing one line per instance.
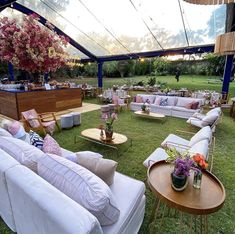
(46, 75)
(227, 73)
(11, 71)
(100, 75)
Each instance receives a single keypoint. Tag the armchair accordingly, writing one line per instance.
(43, 122)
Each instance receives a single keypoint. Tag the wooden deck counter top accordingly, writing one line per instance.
(12, 103)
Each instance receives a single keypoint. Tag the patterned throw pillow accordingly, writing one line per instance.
(35, 139)
(51, 146)
(195, 105)
(164, 102)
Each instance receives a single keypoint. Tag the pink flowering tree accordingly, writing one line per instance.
(30, 46)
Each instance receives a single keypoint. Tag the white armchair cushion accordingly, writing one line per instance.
(204, 134)
(201, 147)
(6, 162)
(158, 155)
(208, 120)
(216, 110)
(81, 185)
(175, 142)
(21, 151)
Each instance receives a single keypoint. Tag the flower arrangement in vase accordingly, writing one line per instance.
(30, 46)
(201, 164)
(183, 163)
(109, 120)
(145, 107)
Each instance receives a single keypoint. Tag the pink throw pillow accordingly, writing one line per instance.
(139, 99)
(51, 146)
(157, 101)
(14, 127)
(195, 105)
(189, 105)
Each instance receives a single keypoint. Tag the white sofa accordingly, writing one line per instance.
(176, 106)
(29, 204)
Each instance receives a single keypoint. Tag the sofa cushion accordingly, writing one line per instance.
(35, 140)
(209, 120)
(103, 168)
(183, 102)
(39, 207)
(21, 151)
(81, 185)
(172, 101)
(6, 162)
(51, 146)
(4, 132)
(129, 195)
(183, 109)
(201, 147)
(148, 98)
(195, 121)
(203, 134)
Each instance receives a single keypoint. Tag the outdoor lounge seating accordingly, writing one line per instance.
(174, 106)
(44, 122)
(23, 190)
(211, 119)
(201, 142)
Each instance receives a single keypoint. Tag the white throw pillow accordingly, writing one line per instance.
(172, 101)
(216, 110)
(157, 101)
(4, 132)
(149, 98)
(183, 102)
(200, 147)
(81, 185)
(21, 151)
(204, 134)
(208, 120)
(198, 115)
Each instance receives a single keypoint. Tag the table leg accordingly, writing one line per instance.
(154, 211)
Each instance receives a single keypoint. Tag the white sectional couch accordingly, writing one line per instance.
(176, 106)
(29, 204)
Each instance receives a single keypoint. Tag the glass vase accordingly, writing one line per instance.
(197, 180)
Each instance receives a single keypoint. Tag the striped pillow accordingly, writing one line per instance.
(35, 139)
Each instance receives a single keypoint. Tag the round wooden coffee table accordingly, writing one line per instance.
(210, 198)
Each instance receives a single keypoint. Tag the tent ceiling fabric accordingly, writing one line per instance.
(210, 2)
(108, 27)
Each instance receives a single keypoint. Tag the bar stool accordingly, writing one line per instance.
(66, 121)
(76, 118)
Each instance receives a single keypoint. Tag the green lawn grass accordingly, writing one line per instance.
(147, 135)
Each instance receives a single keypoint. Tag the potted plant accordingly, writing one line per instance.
(109, 120)
(145, 106)
(182, 166)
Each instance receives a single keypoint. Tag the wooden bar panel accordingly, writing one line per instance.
(13, 103)
(8, 104)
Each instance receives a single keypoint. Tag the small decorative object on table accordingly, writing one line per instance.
(200, 164)
(109, 125)
(101, 127)
(145, 107)
(183, 164)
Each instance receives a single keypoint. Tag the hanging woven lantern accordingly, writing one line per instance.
(225, 44)
(210, 2)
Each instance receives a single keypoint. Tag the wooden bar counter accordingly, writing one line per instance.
(12, 103)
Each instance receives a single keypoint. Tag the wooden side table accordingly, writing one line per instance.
(209, 199)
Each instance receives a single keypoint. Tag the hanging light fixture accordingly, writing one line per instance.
(210, 2)
(225, 44)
